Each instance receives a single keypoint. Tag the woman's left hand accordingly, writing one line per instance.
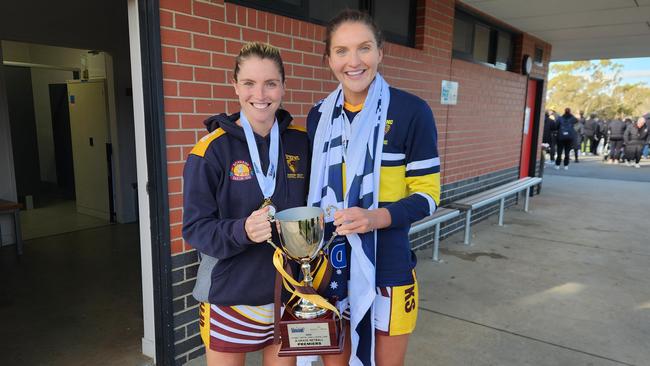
(356, 220)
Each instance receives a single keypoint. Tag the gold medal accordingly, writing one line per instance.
(269, 203)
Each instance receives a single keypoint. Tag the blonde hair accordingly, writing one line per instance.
(261, 50)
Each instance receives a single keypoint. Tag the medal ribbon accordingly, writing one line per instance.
(265, 181)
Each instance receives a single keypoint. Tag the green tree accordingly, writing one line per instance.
(595, 87)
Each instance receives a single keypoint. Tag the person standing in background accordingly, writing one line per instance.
(646, 147)
(583, 140)
(591, 131)
(566, 138)
(550, 135)
(615, 132)
(603, 131)
(635, 136)
(578, 137)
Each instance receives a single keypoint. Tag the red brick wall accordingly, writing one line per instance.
(484, 129)
(200, 40)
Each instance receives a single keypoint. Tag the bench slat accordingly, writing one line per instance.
(484, 198)
(442, 214)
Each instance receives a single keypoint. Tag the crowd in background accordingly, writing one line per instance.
(619, 140)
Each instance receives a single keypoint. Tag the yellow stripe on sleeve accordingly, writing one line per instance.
(429, 184)
(201, 146)
(392, 186)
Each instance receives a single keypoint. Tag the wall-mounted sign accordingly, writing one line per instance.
(449, 92)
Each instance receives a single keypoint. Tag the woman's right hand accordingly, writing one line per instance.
(258, 226)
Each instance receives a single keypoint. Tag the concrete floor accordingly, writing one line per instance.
(566, 284)
(56, 218)
(73, 299)
(594, 167)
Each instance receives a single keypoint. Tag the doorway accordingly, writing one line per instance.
(79, 290)
(60, 139)
(530, 134)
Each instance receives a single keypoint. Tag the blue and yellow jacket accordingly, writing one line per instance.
(220, 192)
(409, 181)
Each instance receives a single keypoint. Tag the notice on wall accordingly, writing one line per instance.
(526, 120)
(449, 92)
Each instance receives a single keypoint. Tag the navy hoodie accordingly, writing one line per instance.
(220, 191)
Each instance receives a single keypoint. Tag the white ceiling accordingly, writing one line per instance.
(579, 29)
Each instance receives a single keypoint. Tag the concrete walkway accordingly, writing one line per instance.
(566, 284)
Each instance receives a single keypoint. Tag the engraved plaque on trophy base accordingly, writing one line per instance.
(318, 336)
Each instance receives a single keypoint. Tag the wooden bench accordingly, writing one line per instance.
(8, 207)
(441, 215)
(500, 194)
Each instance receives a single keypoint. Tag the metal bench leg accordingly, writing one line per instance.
(502, 204)
(19, 236)
(526, 200)
(436, 243)
(468, 228)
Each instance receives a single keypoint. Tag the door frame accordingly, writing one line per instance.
(534, 127)
(146, 70)
(534, 143)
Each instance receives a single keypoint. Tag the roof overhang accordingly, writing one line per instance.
(578, 29)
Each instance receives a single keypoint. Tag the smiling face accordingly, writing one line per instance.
(260, 89)
(354, 57)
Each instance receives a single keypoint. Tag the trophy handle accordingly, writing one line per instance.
(274, 230)
(329, 210)
(329, 242)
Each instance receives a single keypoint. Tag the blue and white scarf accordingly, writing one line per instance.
(360, 146)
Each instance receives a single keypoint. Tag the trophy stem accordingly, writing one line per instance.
(306, 273)
(305, 309)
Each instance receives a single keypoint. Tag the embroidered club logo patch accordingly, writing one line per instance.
(240, 170)
(389, 123)
(292, 163)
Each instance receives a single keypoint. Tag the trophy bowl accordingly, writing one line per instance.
(301, 232)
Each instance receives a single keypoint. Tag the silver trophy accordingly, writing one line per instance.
(306, 328)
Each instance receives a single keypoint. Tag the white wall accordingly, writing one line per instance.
(60, 57)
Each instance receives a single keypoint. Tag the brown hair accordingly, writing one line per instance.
(351, 16)
(261, 50)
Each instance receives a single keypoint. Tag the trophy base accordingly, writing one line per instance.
(306, 337)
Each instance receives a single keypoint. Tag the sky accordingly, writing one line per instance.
(634, 70)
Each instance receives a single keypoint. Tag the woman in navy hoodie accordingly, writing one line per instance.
(251, 163)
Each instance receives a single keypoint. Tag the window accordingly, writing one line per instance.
(481, 43)
(463, 36)
(539, 56)
(478, 41)
(396, 19)
(322, 11)
(504, 51)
